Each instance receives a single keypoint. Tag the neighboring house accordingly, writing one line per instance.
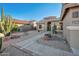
(69, 16)
(41, 25)
(21, 22)
(26, 28)
(34, 24)
(23, 25)
(47, 23)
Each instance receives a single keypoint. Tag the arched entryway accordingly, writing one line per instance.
(48, 26)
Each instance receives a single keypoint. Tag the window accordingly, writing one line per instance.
(75, 14)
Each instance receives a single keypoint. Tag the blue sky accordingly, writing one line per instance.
(29, 11)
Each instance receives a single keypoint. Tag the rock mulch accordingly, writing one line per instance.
(56, 42)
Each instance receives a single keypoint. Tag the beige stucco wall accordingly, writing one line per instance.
(42, 29)
(71, 35)
(44, 22)
(68, 21)
(56, 23)
(74, 38)
(74, 42)
(19, 25)
(44, 25)
(74, 19)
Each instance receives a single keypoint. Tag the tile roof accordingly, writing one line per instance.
(21, 22)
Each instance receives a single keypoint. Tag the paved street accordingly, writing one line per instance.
(27, 45)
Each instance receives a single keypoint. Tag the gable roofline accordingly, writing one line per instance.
(66, 8)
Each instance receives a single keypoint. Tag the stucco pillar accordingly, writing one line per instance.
(52, 24)
(45, 26)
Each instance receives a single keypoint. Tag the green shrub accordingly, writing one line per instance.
(18, 29)
(15, 30)
(8, 34)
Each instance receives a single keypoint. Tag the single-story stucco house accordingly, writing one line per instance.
(47, 23)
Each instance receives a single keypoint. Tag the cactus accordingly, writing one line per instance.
(3, 17)
(5, 25)
(8, 24)
(3, 21)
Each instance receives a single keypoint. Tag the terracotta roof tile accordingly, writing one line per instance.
(21, 22)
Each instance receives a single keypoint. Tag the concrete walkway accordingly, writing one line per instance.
(34, 48)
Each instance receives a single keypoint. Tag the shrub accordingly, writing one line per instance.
(15, 29)
(8, 34)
